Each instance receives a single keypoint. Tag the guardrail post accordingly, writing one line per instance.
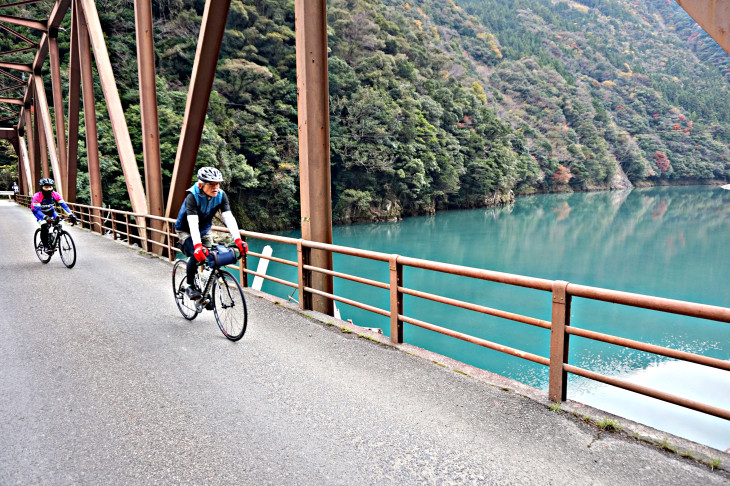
(168, 242)
(396, 300)
(144, 236)
(242, 275)
(558, 385)
(305, 298)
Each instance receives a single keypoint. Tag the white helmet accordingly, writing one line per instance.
(210, 174)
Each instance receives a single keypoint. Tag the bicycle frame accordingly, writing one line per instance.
(206, 289)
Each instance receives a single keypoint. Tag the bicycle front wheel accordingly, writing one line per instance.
(179, 280)
(67, 249)
(229, 306)
(39, 250)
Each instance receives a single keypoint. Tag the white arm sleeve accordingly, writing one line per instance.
(231, 224)
(194, 228)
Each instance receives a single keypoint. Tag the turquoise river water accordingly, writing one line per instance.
(670, 242)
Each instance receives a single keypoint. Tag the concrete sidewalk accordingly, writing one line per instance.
(103, 382)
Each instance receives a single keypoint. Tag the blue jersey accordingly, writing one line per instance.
(205, 207)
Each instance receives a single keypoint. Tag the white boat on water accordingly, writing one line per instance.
(726, 186)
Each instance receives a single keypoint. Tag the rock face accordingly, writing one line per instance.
(499, 198)
(385, 211)
(620, 180)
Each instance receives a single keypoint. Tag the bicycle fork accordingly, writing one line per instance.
(206, 301)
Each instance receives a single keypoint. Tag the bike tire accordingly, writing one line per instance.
(229, 306)
(185, 305)
(39, 251)
(67, 249)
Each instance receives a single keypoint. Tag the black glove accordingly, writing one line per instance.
(73, 220)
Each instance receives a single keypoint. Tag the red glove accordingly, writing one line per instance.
(200, 252)
(242, 246)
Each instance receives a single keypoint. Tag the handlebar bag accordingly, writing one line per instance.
(221, 256)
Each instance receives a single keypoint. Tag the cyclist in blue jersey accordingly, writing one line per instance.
(204, 199)
(43, 205)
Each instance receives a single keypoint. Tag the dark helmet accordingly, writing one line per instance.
(46, 181)
(210, 174)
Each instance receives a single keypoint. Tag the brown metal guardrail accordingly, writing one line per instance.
(140, 229)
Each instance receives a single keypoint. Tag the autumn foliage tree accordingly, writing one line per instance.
(562, 175)
(662, 161)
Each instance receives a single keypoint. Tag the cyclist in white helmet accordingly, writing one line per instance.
(204, 199)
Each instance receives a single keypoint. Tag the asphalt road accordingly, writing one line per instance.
(103, 382)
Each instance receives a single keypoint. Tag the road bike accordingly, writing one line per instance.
(58, 240)
(220, 290)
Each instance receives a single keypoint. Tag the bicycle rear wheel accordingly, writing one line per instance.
(184, 303)
(67, 249)
(39, 250)
(229, 306)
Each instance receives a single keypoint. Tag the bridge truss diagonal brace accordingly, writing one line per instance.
(713, 16)
(114, 106)
(26, 164)
(45, 117)
(201, 82)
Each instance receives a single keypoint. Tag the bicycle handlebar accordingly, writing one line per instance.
(59, 218)
(206, 262)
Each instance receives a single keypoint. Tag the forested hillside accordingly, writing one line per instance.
(437, 104)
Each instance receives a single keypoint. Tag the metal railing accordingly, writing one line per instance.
(155, 234)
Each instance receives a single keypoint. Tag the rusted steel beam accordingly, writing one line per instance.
(56, 85)
(26, 166)
(92, 140)
(314, 139)
(29, 23)
(18, 35)
(8, 133)
(201, 82)
(12, 101)
(26, 68)
(74, 97)
(148, 105)
(58, 12)
(50, 142)
(15, 78)
(15, 86)
(148, 110)
(18, 4)
(30, 135)
(7, 118)
(22, 184)
(114, 106)
(8, 109)
(16, 51)
(41, 141)
(713, 16)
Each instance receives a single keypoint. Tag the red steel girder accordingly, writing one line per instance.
(201, 82)
(16, 51)
(19, 36)
(19, 4)
(26, 68)
(314, 141)
(713, 16)
(114, 106)
(29, 23)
